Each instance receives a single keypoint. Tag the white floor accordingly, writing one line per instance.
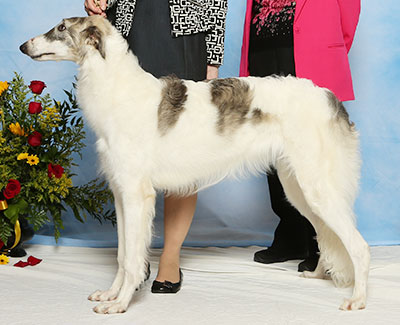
(220, 286)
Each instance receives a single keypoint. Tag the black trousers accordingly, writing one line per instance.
(157, 50)
(294, 234)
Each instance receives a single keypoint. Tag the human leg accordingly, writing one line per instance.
(294, 238)
(291, 235)
(178, 215)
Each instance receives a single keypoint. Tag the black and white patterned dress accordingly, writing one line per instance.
(187, 17)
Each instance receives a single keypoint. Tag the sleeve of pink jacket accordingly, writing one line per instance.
(350, 13)
(243, 70)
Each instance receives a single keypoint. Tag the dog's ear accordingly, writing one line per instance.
(94, 37)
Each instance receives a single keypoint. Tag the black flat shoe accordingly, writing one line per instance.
(268, 256)
(166, 286)
(309, 264)
(146, 276)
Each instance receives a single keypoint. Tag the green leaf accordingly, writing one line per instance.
(15, 210)
(23, 205)
(12, 212)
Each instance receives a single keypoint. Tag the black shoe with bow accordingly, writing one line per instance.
(167, 286)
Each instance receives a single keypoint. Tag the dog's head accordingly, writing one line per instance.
(70, 40)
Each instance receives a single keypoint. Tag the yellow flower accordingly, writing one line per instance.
(49, 117)
(16, 129)
(3, 86)
(22, 156)
(32, 160)
(4, 259)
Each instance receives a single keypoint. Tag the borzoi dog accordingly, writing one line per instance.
(181, 136)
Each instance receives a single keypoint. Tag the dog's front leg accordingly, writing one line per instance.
(138, 209)
(112, 293)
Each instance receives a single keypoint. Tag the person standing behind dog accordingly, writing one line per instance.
(185, 38)
(308, 39)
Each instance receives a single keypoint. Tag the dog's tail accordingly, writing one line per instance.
(334, 255)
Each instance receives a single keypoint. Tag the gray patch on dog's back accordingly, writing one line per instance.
(258, 116)
(232, 97)
(339, 108)
(174, 95)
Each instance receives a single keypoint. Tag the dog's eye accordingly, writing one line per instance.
(61, 27)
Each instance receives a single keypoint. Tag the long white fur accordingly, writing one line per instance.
(314, 150)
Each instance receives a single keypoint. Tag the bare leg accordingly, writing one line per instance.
(178, 215)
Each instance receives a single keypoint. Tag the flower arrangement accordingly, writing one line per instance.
(38, 137)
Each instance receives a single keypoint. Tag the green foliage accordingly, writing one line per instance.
(44, 194)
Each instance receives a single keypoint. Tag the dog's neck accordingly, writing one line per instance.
(117, 75)
(119, 62)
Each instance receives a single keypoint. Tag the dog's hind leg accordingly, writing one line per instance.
(343, 249)
(112, 293)
(343, 243)
(138, 202)
(345, 234)
(295, 196)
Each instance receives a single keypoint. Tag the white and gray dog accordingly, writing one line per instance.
(181, 136)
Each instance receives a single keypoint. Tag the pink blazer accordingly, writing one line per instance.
(323, 31)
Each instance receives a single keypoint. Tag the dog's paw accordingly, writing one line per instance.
(353, 304)
(107, 295)
(110, 308)
(313, 275)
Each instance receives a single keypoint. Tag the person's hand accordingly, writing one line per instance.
(212, 72)
(95, 7)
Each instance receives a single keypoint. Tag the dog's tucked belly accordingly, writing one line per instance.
(199, 164)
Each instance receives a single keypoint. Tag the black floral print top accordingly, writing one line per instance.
(272, 18)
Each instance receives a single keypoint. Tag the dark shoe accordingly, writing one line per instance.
(146, 276)
(268, 256)
(309, 264)
(166, 286)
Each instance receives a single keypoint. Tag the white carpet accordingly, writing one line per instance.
(220, 286)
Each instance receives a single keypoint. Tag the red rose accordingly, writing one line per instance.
(35, 108)
(12, 189)
(50, 172)
(35, 139)
(55, 170)
(37, 86)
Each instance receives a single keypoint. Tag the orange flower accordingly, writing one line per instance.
(16, 129)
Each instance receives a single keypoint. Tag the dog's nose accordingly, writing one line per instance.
(24, 47)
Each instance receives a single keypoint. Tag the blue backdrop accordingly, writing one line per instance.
(238, 212)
